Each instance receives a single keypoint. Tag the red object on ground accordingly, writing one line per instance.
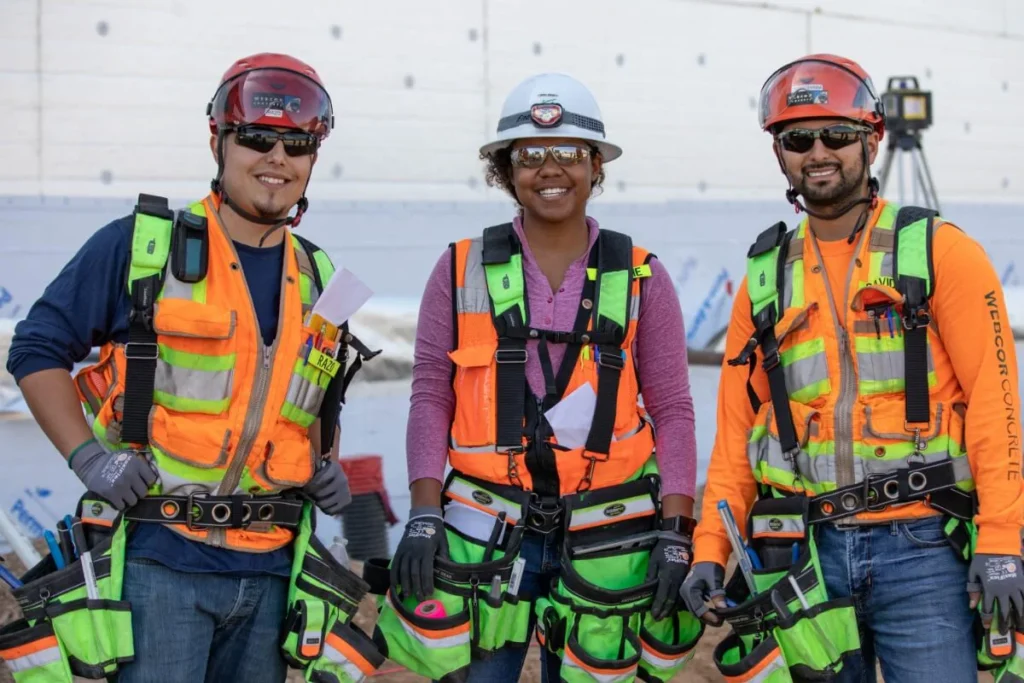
(366, 475)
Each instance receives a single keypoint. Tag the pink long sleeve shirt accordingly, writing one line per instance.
(659, 351)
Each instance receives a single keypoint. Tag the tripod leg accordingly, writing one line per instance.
(927, 181)
(883, 177)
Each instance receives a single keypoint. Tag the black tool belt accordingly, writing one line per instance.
(935, 482)
(545, 514)
(201, 511)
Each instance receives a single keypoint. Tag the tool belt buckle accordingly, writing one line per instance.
(544, 516)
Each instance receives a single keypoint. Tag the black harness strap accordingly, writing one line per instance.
(916, 317)
(141, 351)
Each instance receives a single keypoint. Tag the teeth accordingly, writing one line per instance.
(271, 181)
(553, 192)
(822, 172)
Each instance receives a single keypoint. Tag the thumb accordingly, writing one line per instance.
(975, 597)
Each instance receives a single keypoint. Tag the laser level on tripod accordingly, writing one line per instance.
(908, 112)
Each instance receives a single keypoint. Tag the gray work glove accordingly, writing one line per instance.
(997, 581)
(413, 565)
(121, 477)
(329, 488)
(669, 563)
(706, 581)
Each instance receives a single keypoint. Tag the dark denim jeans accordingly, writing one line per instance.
(909, 590)
(203, 627)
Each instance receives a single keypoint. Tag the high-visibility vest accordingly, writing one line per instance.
(228, 415)
(869, 399)
(498, 432)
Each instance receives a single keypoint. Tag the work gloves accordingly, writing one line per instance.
(706, 581)
(121, 478)
(670, 561)
(412, 568)
(997, 581)
(328, 488)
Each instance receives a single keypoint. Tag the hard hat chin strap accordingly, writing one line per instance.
(275, 223)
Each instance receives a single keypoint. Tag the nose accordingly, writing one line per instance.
(277, 153)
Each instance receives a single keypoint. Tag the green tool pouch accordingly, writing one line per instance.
(774, 637)
(597, 614)
(62, 631)
(478, 585)
(323, 596)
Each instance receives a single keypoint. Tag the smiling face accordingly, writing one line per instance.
(267, 184)
(828, 177)
(555, 192)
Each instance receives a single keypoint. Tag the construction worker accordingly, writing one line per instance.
(532, 344)
(204, 429)
(868, 417)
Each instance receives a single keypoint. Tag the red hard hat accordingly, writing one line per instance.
(820, 86)
(271, 89)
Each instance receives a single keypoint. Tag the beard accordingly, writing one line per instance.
(832, 195)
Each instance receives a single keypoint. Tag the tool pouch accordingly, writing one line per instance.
(478, 584)
(596, 616)
(773, 637)
(63, 632)
(323, 596)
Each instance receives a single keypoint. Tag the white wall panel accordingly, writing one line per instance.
(418, 86)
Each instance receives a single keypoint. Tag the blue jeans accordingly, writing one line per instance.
(195, 627)
(541, 555)
(909, 591)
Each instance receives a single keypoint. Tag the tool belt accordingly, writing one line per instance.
(597, 616)
(774, 636)
(63, 632)
(200, 511)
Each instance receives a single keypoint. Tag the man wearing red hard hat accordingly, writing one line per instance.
(868, 438)
(209, 426)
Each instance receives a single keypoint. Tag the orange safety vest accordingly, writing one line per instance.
(498, 434)
(229, 415)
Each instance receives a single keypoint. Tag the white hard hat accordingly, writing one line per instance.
(551, 105)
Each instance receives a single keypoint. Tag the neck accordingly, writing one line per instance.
(246, 232)
(570, 237)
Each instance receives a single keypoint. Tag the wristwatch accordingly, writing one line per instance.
(681, 525)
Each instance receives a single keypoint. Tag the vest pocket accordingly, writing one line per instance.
(311, 375)
(196, 357)
(668, 644)
(475, 401)
(808, 467)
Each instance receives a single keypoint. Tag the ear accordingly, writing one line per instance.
(873, 142)
(213, 148)
(778, 156)
(596, 162)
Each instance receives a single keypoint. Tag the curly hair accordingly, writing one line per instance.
(499, 171)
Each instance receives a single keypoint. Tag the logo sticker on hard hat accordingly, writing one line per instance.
(274, 105)
(546, 115)
(807, 93)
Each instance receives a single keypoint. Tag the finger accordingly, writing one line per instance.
(149, 475)
(427, 576)
(139, 487)
(660, 597)
(128, 499)
(719, 602)
(711, 618)
(397, 574)
(415, 586)
(652, 572)
(975, 598)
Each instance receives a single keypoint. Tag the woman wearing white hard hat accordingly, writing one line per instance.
(533, 342)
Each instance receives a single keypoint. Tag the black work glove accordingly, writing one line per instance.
(670, 561)
(706, 581)
(997, 581)
(329, 488)
(413, 565)
(121, 478)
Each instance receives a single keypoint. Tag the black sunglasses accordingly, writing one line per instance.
(534, 156)
(800, 140)
(297, 143)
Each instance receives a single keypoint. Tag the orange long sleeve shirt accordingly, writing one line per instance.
(974, 327)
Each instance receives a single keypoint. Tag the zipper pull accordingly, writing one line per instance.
(266, 357)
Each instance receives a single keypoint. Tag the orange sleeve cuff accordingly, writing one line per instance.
(711, 547)
(997, 538)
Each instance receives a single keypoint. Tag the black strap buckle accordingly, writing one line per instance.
(610, 360)
(141, 351)
(771, 361)
(544, 515)
(915, 317)
(503, 356)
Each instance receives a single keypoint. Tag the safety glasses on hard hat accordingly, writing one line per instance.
(534, 156)
(273, 97)
(801, 140)
(296, 143)
(817, 88)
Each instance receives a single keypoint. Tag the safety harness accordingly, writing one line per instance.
(179, 240)
(610, 276)
(914, 275)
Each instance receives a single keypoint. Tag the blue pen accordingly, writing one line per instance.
(796, 552)
(755, 561)
(55, 553)
(74, 551)
(888, 319)
(9, 578)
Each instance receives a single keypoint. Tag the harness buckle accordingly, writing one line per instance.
(771, 361)
(544, 516)
(613, 361)
(149, 351)
(915, 317)
(510, 356)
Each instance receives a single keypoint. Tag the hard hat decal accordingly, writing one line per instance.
(807, 93)
(266, 100)
(546, 115)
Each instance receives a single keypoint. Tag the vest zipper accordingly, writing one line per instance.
(843, 417)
